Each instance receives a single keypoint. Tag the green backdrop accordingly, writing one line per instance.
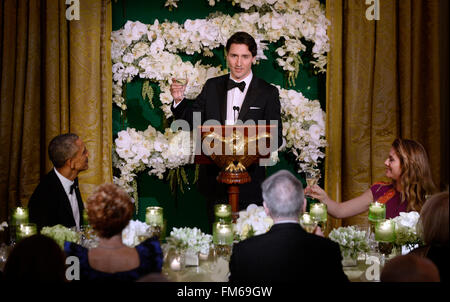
(189, 208)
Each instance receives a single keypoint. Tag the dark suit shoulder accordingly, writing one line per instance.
(217, 80)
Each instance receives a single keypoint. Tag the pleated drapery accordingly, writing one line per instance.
(383, 82)
(55, 78)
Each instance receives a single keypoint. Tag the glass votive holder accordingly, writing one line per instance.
(19, 215)
(154, 216)
(25, 230)
(307, 223)
(385, 231)
(377, 211)
(176, 259)
(222, 212)
(85, 217)
(318, 212)
(222, 233)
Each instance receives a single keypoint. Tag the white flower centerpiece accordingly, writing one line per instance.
(134, 233)
(407, 232)
(253, 221)
(190, 240)
(351, 242)
(60, 234)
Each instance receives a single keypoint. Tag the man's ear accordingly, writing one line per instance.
(305, 202)
(266, 209)
(69, 163)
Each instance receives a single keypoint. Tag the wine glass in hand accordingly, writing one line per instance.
(312, 179)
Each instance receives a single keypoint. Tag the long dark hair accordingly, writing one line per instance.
(415, 179)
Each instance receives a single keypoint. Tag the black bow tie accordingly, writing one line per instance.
(74, 186)
(231, 84)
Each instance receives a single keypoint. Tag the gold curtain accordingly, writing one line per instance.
(383, 82)
(55, 78)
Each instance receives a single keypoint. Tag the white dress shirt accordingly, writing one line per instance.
(72, 197)
(235, 97)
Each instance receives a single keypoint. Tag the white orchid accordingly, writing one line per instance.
(190, 238)
(406, 229)
(252, 221)
(350, 239)
(132, 232)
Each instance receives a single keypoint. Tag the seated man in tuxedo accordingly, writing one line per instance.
(238, 95)
(286, 253)
(57, 198)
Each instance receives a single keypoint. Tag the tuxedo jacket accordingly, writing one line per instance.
(285, 254)
(49, 204)
(260, 103)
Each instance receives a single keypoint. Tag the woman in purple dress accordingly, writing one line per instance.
(408, 168)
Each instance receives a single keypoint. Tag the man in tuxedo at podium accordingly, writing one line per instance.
(57, 198)
(238, 95)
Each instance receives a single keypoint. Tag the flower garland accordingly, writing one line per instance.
(149, 52)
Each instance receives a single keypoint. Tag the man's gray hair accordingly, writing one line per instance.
(283, 194)
(61, 148)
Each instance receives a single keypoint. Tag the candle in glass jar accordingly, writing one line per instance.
(223, 210)
(26, 230)
(307, 223)
(203, 256)
(223, 233)
(318, 211)
(85, 217)
(385, 231)
(306, 218)
(20, 216)
(175, 265)
(377, 211)
(154, 216)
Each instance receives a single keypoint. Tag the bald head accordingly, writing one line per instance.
(410, 268)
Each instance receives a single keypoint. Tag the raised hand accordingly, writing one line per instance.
(316, 192)
(177, 89)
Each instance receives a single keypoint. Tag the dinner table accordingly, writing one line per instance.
(215, 269)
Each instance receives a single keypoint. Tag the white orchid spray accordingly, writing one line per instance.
(190, 238)
(251, 222)
(407, 229)
(132, 233)
(351, 240)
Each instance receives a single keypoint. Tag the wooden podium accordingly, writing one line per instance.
(233, 148)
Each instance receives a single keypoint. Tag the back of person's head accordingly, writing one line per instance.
(37, 257)
(61, 148)
(109, 210)
(283, 194)
(415, 179)
(241, 37)
(434, 220)
(409, 268)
